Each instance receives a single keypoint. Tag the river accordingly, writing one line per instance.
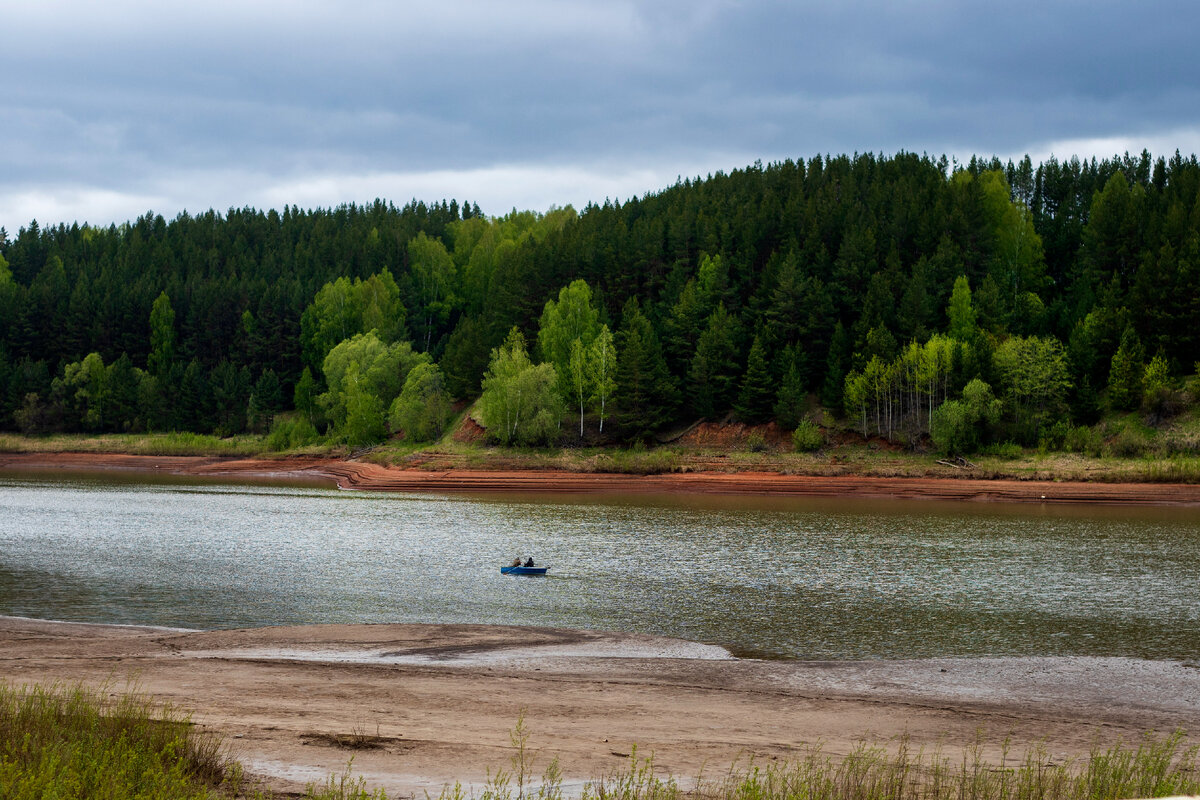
(775, 578)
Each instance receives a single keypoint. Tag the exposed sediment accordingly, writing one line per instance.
(351, 474)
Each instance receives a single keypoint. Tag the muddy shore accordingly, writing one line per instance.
(436, 704)
(350, 474)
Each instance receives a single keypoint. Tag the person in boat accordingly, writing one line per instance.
(516, 562)
(528, 561)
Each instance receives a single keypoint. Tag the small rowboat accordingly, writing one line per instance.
(523, 570)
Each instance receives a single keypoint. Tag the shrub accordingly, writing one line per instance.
(290, 434)
(807, 437)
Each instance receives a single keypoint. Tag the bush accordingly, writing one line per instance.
(1129, 443)
(1006, 450)
(1084, 439)
(290, 434)
(756, 442)
(807, 437)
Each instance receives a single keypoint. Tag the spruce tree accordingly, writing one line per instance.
(757, 396)
(645, 394)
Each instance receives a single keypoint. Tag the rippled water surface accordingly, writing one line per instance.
(784, 578)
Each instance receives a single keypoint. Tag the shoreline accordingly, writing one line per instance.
(438, 702)
(367, 476)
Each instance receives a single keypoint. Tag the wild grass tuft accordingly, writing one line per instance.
(76, 742)
(1155, 767)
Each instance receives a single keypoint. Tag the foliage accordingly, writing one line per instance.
(807, 437)
(820, 264)
(364, 376)
(423, 406)
(344, 308)
(1125, 373)
(61, 742)
(520, 403)
(961, 426)
(1035, 379)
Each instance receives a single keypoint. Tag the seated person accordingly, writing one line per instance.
(529, 562)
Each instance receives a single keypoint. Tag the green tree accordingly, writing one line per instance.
(1033, 371)
(757, 396)
(959, 426)
(423, 407)
(231, 397)
(304, 396)
(1125, 372)
(961, 312)
(342, 309)
(1156, 389)
(571, 319)
(360, 368)
(85, 387)
(712, 378)
(792, 397)
(265, 400)
(162, 336)
(645, 395)
(520, 403)
(435, 276)
(602, 365)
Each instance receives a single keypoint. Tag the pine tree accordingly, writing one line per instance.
(1125, 373)
(645, 394)
(757, 396)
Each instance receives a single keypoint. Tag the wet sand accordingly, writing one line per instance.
(350, 474)
(439, 702)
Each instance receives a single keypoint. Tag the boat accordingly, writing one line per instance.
(523, 570)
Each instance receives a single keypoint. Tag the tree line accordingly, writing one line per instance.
(884, 287)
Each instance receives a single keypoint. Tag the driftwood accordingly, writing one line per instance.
(958, 463)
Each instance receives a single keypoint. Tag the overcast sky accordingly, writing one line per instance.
(113, 109)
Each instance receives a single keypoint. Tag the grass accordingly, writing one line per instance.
(1119, 449)
(72, 742)
(148, 444)
(1154, 767)
(67, 743)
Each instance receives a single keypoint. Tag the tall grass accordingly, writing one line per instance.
(73, 742)
(148, 444)
(1155, 767)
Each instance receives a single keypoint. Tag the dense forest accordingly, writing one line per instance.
(912, 296)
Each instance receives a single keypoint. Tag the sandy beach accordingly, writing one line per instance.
(437, 703)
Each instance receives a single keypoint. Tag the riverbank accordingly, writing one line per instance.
(367, 475)
(419, 706)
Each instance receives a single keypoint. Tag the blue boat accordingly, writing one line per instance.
(523, 570)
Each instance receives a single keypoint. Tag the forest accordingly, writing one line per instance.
(928, 302)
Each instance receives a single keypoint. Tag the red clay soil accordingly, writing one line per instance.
(349, 474)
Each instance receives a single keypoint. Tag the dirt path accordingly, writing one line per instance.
(438, 702)
(368, 476)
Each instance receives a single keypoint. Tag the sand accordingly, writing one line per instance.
(438, 703)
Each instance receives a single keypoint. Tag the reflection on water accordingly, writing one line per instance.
(823, 579)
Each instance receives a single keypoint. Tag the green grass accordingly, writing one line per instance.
(149, 444)
(73, 742)
(1154, 767)
(68, 743)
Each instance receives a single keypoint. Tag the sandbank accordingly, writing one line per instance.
(438, 702)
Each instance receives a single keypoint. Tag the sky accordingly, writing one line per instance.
(110, 110)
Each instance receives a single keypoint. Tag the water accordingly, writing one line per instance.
(813, 579)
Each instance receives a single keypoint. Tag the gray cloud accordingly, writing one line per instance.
(228, 103)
